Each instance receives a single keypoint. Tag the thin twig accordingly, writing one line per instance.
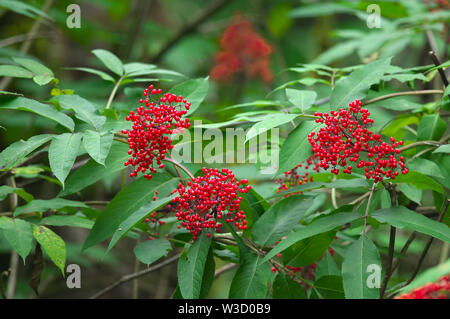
(129, 277)
(14, 263)
(224, 269)
(170, 160)
(440, 70)
(366, 214)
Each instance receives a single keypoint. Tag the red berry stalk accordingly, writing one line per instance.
(153, 123)
(209, 198)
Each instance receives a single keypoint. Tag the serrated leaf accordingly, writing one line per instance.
(52, 244)
(357, 259)
(279, 219)
(97, 145)
(402, 217)
(150, 251)
(191, 266)
(356, 85)
(110, 60)
(24, 104)
(83, 109)
(62, 154)
(317, 226)
(19, 235)
(194, 91)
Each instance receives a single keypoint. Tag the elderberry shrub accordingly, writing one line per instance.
(153, 123)
(209, 198)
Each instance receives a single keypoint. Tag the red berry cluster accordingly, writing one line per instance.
(436, 290)
(242, 50)
(293, 178)
(437, 5)
(209, 198)
(149, 139)
(346, 136)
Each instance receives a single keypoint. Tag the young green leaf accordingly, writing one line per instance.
(301, 99)
(42, 205)
(110, 60)
(194, 91)
(41, 74)
(62, 154)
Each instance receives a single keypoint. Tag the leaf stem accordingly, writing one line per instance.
(388, 96)
(170, 160)
(113, 92)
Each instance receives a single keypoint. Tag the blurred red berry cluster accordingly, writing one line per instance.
(153, 123)
(209, 198)
(435, 290)
(242, 50)
(436, 5)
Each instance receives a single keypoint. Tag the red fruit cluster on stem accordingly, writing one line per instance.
(242, 50)
(209, 198)
(435, 290)
(346, 137)
(293, 178)
(153, 122)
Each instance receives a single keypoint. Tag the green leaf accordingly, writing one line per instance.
(92, 172)
(101, 74)
(97, 145)
(329, 287)
(420, 181)
(53, 245)
(443, 149)
(280, 219)
(412, 192)
(308, 251)
(208, 275)
(401, 217)
(296, 148)
(110, 60)
(143, 212)
(67, 220)
(250, 280)
(15, 71)
(323, 9)
(83, 109)
(327, 267)
(41, 74)
(137, 67)
(42, 205)
(23, 8)
(301, 99)
(150, 251)
(320, 225)
(191, 266)
(24, 104)
(19, 235)
(15, 153)
(267, 122)
(430, 275)
(126, 202)
(431, 127)
(62, 154)
(284, 287)
(5, 190)
(194, 91)
(425, 166)
(357, 259)
(356, 85)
